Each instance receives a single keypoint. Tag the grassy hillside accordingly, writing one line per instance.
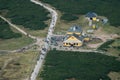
(10, 39)
(61, 65)
(6, 32)
(111, 46)
(15, 43)
(108, 8)
(106, 45)
(24, 12)
(17, 66)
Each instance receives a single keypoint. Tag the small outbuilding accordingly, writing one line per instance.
(91, 16)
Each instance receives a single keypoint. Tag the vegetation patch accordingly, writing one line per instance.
(114, 47)
(17, 66)
(95, 41)
(108, 8)
(65, 65)
(6, 32)
(106, 45)
(10, 39)
(69, 17)
(24, 12)
(15, 43)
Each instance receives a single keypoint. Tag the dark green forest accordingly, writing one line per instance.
(63, 65)
(24, 12)
(6, 32)
(107, 8)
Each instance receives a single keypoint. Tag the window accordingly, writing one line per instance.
(76, 43)
(66, 43)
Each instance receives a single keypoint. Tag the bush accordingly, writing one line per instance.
(6, 32)
(69, 17)
(17, 64)
(62, 65)
(106, 45)
(108, 8)
(25, 13)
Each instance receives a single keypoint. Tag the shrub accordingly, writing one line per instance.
(25, 13)
(6, 32)
(69, 17)
(108, 8)
(62, 65)
(106, 45)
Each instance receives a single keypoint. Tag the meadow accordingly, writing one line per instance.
(10, 39)
(106, 45)
(17, 66)
(15, 43)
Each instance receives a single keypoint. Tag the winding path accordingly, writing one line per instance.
(17, 28)
(48, 38)
(38, 40)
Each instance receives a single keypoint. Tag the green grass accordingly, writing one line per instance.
(116, 42)
(62, 26)
(15, 43)
(6, 32)
(111, 46)
(95, 41)
(106, 45)
(114, 47)
(17, 66)
(24, 12)
(107, 8)
(10, 39)
(63, 65)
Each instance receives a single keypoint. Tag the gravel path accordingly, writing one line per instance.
(48, 39)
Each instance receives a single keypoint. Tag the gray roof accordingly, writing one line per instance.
(91, 14)
(75, 29)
